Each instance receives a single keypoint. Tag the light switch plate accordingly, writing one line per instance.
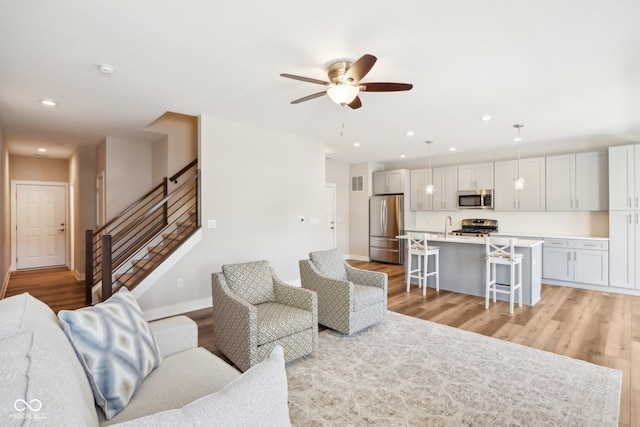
(211, 223)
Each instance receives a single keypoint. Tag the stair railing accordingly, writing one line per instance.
(114, 246)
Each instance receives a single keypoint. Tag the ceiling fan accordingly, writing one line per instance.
(344, 83)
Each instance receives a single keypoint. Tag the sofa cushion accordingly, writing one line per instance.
(251, 281)
(116, 347)
(257, 398)
(329, 263)
(365, 296)
(276, 321)
(42, 381)
(179, 380)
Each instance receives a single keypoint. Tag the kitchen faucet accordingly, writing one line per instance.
(446, 232)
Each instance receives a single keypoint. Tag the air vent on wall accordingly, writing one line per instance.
(357, 183)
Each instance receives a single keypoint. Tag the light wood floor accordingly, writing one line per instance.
(598, 327)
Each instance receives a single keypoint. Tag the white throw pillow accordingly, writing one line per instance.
(116, 347)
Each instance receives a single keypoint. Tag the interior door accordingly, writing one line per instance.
(40, 226)
(329, 217)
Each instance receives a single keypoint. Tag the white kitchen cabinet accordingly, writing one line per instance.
(420, 200)
(445, 188)
(624, 183)
(390, 182)
(580, 261)
(577, 182)
(624, 233)
(531, 197)
(475, 177)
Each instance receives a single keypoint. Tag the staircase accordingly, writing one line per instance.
(129, 248)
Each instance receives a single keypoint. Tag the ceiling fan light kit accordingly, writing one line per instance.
(344, 84)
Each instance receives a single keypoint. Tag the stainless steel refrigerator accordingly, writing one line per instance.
(386, 221)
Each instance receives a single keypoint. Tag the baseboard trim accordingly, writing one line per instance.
(357, 257)
(5, 284)
(176, 309)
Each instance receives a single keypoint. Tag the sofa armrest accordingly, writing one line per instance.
(235, 323)
(366, 277)
(294, 296)
(175, 334)
(338, 293)
(258, 397)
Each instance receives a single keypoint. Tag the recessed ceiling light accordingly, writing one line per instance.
(402, 156)
(485, 118)
(42, 150)
(356, 144)
(452, 149)
(106, 68)
(409, 133)
(48, 102)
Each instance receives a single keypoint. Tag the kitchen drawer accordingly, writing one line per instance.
(558, 243)
(596, 245)
(385, 242)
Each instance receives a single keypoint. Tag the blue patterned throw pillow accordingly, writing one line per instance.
(115, 346)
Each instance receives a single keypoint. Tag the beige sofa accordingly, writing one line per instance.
(44, 382)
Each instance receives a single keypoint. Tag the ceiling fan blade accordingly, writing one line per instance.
(356, 103)
(360, 68)
(309, 97)
(384, 87)
(305, 79)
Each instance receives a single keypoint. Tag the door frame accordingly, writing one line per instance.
(14, 210)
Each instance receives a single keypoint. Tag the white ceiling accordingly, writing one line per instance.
(567, 69)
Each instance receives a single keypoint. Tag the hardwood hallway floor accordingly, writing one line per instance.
(598, 327)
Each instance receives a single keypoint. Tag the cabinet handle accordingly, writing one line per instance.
(589, 244)
(575, 256)
(568, 256)
(636, 202)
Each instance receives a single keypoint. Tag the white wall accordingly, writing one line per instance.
(128, 172)
(255, 184)
(338, 173)
(5, 216)
(359, 212)
(82, 174)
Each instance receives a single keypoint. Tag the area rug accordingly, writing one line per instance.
(411, 372)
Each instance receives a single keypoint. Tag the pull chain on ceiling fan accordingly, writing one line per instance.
(344, 84)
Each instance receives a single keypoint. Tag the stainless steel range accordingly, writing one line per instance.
(477, 227)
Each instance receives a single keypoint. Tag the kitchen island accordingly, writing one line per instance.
(462, 266)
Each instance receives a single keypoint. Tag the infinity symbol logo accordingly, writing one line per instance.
(22, 405)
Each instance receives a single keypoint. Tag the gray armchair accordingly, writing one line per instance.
(349, 299)
(253, 311)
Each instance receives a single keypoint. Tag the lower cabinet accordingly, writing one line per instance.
(581, 261)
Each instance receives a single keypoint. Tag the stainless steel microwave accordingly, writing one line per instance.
(475, 199)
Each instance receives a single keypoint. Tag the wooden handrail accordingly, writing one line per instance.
(175, 177)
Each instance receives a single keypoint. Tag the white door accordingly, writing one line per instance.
(329, 217)
(40, 226)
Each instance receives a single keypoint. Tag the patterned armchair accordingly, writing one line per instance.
(253, 311)
(349, 299)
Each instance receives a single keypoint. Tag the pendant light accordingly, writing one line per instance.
(429, 188)
(518, 181)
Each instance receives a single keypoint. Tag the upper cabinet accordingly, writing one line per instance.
(624, 183)
(420, 200)
(475, 177)
(390, 182)
(577, 182)
(445, 188)
(531, 197)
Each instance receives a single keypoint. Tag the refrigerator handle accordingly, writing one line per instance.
(383, 216)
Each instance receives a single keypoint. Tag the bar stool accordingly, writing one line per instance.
(418, 245)
(500, 251)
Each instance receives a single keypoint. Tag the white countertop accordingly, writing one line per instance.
(548, 236)
(520, 243)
